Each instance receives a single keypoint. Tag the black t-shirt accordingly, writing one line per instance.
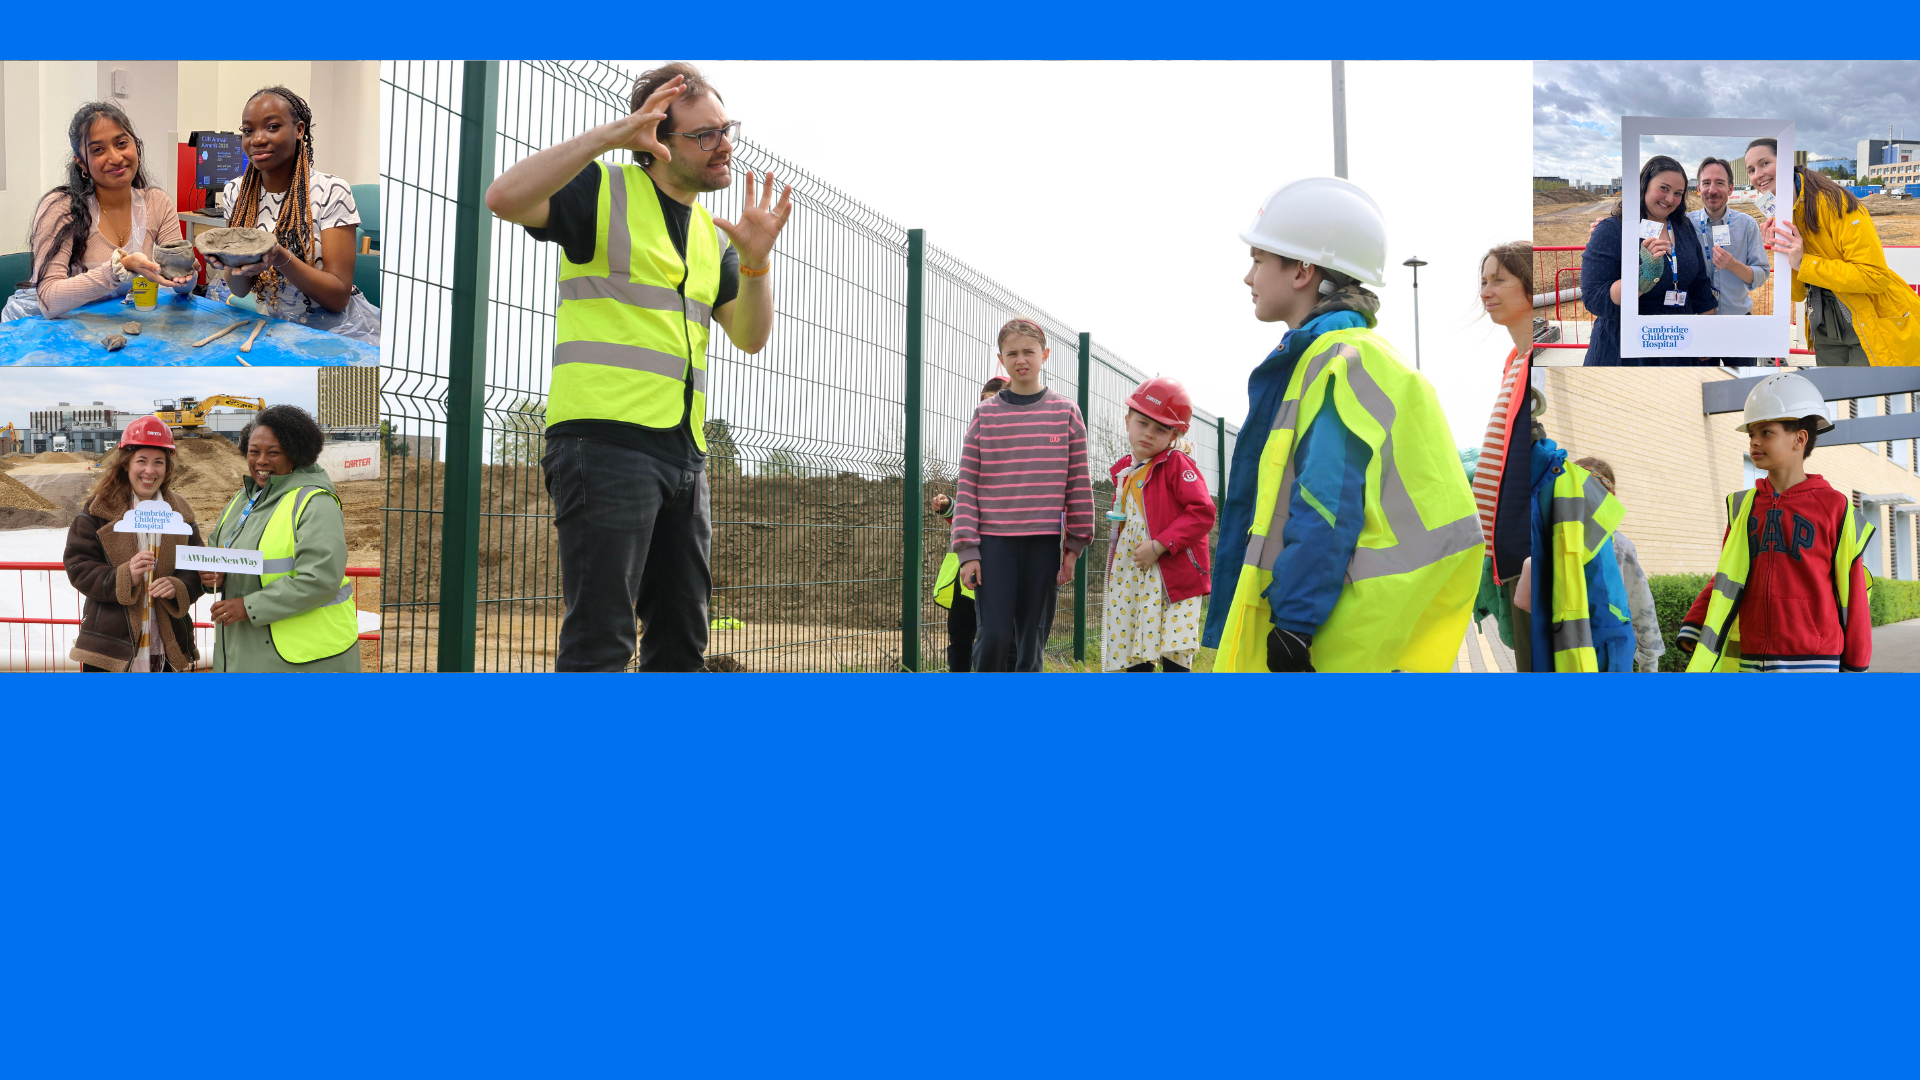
(572, 222)
(1012, 398)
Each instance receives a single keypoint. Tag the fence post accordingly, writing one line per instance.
(1220, 444)
(467, 369)
(1080, 565)
(910, 488)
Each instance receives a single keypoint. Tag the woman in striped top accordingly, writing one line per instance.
(1502, 477)
(1023, 511)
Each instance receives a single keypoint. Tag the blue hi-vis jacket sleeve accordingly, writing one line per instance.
(1325, 511)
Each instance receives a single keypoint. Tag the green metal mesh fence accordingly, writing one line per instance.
(808, 467)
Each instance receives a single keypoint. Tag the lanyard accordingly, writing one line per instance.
(244, 511)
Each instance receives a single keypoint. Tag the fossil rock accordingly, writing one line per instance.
(114, 342)
(131, 329)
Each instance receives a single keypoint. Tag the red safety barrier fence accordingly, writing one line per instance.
(1556, 279)
(40, 616)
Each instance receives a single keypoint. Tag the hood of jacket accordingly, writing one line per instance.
(1353, 297)
(1807, 489)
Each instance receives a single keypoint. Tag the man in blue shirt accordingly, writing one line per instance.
(1732, 243)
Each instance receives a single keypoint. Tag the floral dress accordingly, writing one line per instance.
(1139, 626)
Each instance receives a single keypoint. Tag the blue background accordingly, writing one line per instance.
(872, 876)
(851, 876)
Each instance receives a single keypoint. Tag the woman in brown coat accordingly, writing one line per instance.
(138, 615)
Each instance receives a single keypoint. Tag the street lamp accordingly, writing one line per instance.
(1416, 262)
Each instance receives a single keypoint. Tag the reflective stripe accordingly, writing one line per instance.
(631, 357)
(619, 235)
(1417, 545)
(1709, 639)
(277, 566)
(1266, 553)
(1727, 587)
(634, 294)
(1572, 634)
(345, 594)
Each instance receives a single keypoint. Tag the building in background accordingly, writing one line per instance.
(82, 430)
(1844, 166)
(1548, 183)
(349, 402)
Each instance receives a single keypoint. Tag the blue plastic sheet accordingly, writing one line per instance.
(74, 339)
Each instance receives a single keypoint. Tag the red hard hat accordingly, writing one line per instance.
(147, 431)
(1164, 400)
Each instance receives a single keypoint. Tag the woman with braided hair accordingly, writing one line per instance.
(307, 276)
(92, 235)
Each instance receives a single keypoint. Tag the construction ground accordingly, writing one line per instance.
(43, 492)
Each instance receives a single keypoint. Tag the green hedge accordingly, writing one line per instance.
(1672, 595)
(1893, 601)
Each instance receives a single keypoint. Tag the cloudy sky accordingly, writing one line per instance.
(25, 389)
(1087, 186)
(1577, 105)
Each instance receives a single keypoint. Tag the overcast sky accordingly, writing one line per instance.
(1092, 188)
(28, 389)
(1577, 105)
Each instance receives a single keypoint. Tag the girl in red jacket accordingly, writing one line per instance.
(1158, 569)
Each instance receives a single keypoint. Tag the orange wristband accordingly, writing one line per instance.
(751, 272)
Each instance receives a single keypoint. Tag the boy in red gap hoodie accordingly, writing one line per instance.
(1158, 572)
(1790, 593)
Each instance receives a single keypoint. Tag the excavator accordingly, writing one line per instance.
(188, 416)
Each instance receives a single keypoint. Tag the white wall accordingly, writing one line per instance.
(152, 88)
(346, 117)
(41, 96)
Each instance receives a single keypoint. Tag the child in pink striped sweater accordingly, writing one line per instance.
(1023, 511)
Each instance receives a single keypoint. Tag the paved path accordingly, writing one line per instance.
(1481, 649)
(1896, 647)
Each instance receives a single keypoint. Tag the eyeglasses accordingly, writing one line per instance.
(710, 138)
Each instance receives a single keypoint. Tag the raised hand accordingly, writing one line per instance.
(640, 131)
(760, 223)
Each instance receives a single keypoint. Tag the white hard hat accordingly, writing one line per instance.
(1325, 221)
(1787, 396)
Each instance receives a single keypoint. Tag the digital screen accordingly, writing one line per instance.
(217, 158)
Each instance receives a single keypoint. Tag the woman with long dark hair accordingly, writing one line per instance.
(1859, 312)
(307, 276)
(94, 234)
(1675, 277)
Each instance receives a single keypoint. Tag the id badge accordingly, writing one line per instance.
(1675, 298)
(1722, 235)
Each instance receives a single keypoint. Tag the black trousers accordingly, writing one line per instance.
(636, 539)
(1166, 666)
(962, 621)
(1016, 600)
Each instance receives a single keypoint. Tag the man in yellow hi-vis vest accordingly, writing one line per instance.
(644, 273)
(1362, 547)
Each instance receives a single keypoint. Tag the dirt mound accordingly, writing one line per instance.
(57, 458)
(1566, 195)
(15, 494)
(15, 518)
(207, 473)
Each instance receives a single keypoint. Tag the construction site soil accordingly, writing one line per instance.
(808, 566)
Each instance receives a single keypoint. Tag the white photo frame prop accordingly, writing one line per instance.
(1698, 335)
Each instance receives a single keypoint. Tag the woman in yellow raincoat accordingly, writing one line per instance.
(1858, 311)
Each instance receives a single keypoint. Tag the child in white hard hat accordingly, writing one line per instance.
(1791, 592)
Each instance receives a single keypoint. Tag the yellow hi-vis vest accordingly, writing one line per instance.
(1582, 514)
(316, 634)
(631, 340)
(1408, 596)
(1719, 647)
(948, 581)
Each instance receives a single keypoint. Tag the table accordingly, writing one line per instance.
(73, 339)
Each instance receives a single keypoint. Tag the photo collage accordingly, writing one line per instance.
(572, 366)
